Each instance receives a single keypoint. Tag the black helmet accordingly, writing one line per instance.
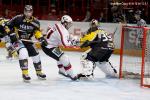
(28, 8)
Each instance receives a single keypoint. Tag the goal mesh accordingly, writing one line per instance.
(135, 54)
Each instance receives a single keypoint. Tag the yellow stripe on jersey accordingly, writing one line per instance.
(3, 21)
(38, 34)
(90, 37)
(7, 29)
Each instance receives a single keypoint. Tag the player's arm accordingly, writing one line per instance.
(88, 39)
(13, 23)
(38, 34)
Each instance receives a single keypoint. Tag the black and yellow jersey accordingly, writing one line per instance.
(3, 28)
(98, 38)
(25, 28)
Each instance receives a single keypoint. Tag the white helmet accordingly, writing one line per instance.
(66, 20)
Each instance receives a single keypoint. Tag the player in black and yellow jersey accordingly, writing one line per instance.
(23, 27)
(101, 48)
(4, 36)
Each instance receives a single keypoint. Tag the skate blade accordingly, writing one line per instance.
(40, 78)
(26, 81)
(62, 74)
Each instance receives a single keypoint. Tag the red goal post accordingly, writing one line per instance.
(135, 54)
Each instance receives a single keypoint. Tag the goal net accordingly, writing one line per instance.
(135, 54)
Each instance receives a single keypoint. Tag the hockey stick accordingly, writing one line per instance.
(115, 30)
(112, 67)
(29, 41)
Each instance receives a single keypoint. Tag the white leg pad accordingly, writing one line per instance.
(107, 69)
(87, 67)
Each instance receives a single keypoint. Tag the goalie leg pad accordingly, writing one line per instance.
(87, 67)
(107, 69)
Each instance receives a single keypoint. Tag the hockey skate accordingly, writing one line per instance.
(62, 73)
(73, 78)
(26, 78)
(68, 76)
(41, 76)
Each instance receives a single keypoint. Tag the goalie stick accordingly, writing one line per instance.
(112, 67)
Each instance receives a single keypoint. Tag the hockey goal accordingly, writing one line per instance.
(135, 54)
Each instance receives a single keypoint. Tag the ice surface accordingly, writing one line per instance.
(57, 87)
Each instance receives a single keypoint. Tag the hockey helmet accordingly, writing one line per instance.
(66, 20)
(93, 23)
(28, 10)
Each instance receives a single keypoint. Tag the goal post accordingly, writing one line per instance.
(135, 54)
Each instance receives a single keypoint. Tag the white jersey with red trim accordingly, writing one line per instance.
(57, 35)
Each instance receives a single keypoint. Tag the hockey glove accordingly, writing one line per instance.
(43, 41)
(11, 49)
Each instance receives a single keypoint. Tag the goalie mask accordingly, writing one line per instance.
(93, 25)
(28, 11)
(66, 21)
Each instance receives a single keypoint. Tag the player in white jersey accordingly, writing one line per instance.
(58, 35)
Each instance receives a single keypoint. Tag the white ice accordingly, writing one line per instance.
(57, 87)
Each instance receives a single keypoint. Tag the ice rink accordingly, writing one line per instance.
(57, 87)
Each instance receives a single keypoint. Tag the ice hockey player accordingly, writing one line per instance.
(101, 48)
(27, 26)
(58, 35)
(4, 37)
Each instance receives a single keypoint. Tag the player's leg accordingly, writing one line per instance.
(105, 65)
(67, 66)
(23, 55)
(36, 61)
(23, 59)
(87, 65)
(62, 61)
(61, 68)
(107, 69)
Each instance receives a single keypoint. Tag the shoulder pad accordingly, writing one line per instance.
(36, 23)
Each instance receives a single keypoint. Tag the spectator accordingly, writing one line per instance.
(140, 21)
(52, 15)
(101, 18)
